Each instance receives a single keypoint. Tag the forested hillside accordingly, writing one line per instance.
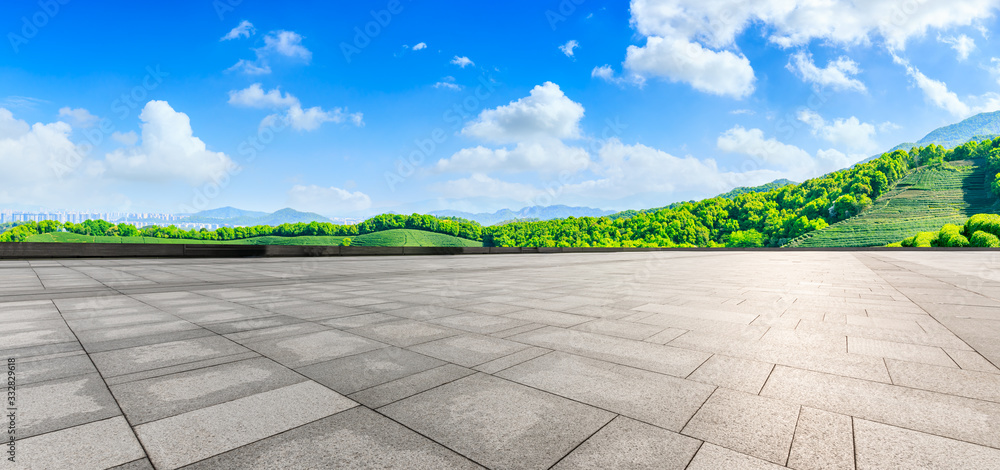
(749, 219)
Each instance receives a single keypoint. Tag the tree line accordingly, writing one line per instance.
(981, 230)
(751, 219)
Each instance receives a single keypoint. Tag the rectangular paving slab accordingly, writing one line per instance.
(658, 399)
(354, 439)
(498, 423)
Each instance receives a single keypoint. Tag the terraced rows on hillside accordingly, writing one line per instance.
(922, 201)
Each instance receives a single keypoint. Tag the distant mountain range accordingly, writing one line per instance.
(532, 213)
(234, 216)
(979, 127)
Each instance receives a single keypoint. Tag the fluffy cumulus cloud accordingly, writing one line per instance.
(291, 109)
(849, 133)
(536, 125)
(721, 73)
(694, 41)
(33, 154)
(167, 151)
(327, 200)
(546, 113)
(797, 22)
(79, 116)
(286, 44)
(546, 156)
(569, 47)
(791, 161)
(627, 170)
(462, 61)
(479, 185)
(837, 75)
(244, 30)
(448, 83)
(420, 46)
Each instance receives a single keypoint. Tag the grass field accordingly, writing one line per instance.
(400, 237)
(922, 201)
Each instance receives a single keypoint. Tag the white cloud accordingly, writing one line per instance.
(717, 72)
(126, 138)
(546, 113)
(420, 46)
(462, 61)
(962, 44)
(694, 41)
(838, 74)
(276, 43)
(327, 200)
(288, 44)
(480, 185)
(301, 119)
(26, 151)
(549, 156)
(936, 92)
(603, 72)
(244, 30)
(254, 96)
(568, 47)
(793, 162)
(43, 167)
(168, 151)
(848, 133)
(888, 127)
(753, 143)
(80, 117)
(628, 170)
(798, 22)
(250, 67)
(449, 83)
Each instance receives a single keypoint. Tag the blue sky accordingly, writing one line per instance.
(355, 108)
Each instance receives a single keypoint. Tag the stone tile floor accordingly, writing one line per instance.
(805, 360)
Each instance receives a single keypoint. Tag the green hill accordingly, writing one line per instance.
(924, 200)
(397, 237)
(979, 127)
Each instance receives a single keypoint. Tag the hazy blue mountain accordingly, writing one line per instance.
(227, 213)
(241, 217)
(979, 127)
(534, 212)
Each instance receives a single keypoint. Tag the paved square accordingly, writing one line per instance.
(696, 360)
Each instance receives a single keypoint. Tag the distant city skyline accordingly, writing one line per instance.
(351, 109)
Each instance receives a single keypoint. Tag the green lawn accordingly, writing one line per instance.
(399, 237)
(923, 201)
